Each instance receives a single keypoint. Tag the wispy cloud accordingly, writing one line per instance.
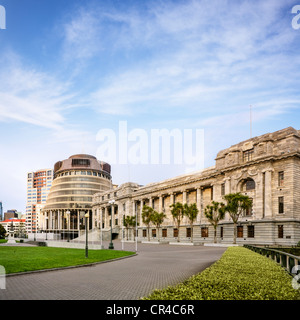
(189, 54)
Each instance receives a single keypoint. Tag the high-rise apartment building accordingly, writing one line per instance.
(1, 211)
(38, 187)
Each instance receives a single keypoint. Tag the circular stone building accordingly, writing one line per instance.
(75, 181)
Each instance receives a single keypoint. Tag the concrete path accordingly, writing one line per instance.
(155, 266)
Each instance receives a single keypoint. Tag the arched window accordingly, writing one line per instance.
(248, 184)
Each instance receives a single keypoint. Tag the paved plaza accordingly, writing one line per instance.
(154, 266)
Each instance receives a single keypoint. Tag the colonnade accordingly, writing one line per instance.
(64, 220)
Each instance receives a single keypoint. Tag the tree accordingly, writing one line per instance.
(214, 213)
(129, 221)
(147, 214)
(158, 219)
(2, 232)
(237, 204)
(177, 213)
(191, 211)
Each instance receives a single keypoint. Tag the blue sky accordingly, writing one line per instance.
(71, 68)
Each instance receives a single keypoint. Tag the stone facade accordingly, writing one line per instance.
(266, 168)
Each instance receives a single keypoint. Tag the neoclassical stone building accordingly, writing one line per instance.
(266, 168)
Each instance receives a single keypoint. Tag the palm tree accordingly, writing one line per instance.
(177, 213)
(158, 219)
(214, 213)
(126, 223)
(191, 211)
(129, 221)
(237, 204)
(147, 214)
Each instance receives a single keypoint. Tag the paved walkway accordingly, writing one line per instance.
(155, 266)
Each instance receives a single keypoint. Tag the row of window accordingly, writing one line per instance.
(83, 173)
(76, 186)
(204, 232)
(39, 174)
(71, 199)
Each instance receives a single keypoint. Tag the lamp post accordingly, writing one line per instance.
(111, 245)
(86, 235)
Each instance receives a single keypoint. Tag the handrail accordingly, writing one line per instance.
(286, 260)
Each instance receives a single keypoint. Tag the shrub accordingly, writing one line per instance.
(42, 244)
(240, 274)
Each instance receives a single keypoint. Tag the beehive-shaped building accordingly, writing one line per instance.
(76, 180)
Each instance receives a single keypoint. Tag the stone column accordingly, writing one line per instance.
(105, 217)
(268, 194)
(184, 197)
(227, 185)
(44, 220)
(51, 221)
(98, 218)
(150, 202)
(141, 212)
(112, 216)
(171, 198)
(160, 203)
(198, 202)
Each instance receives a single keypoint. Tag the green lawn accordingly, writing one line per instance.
(240, 274)
(20, 259)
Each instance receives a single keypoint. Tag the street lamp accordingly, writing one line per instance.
(111, 246)
(86, 234)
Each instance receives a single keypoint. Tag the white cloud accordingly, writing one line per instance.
(31, 96)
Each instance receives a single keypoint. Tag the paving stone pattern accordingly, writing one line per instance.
(155, 266)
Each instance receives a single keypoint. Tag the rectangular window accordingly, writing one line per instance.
(281, 205)
(222, 232)
(204, 232)
(281, 179)
(250, 231)
(80, 162)
(280, 231)
(144, 233)
(248, 155)
(239, 231)
(188, 232)
(223, 189)
(164, 233)
(175, 233)
(154, 233)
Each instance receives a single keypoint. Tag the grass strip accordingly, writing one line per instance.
(23, 259)
(240, 274)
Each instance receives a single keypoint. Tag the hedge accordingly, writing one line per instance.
(240, 274)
